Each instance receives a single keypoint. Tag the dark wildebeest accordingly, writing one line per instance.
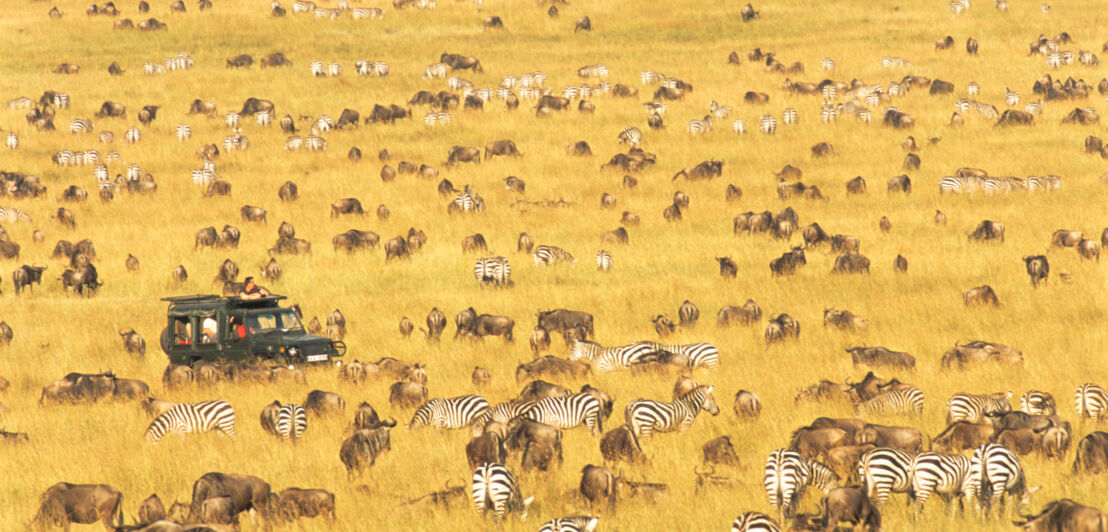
(630, 218)
(321, 404)
(26, 276)
(288, 191)
(275, 59)
(111, 109)
(475, 242)
(1066, 239)
(1088, 249)
(133, 342)
(553, 367)
(346, 206)
(747, 405)
(752, 97)
(939, 86)
(539, 456)
(1084, 117)
(462, 154)
(971, 46)
(781, 328)
(501, 147)
(598, 485)
(217, 188)
(727, 267)
(814, 235)
(245, 492)
(720, 451)
(294, 503)
(349, 117)
(988, 230)
(856, 186)
(880, 356)
(560, 320)
(291, 246)
(148, 114)
(74, 193)
(849, 505)
(703, 170)
(461, 62)
(788, 263)
(978, 352)
(911, 162)
(407, 394)
(844, 320)
(539, 389)
(151, 510)
(1092, 453)
(662, 325)
(1015, 117)
(515, 184)
(65, 503)
(963, 435)
(903, 438)
(539, 341)
(202, 107)
(733, 193)
(464, 322)
(845, 244)
(436, 322)
(900, 183)
(1020, 441)
(822, 149)
(980, 295)
(253, 106)
(1065, 515)
(1037, 268)
(813, 442)
(688, 314)
(898, 120)
(251, 213)
(489, 325)
(363, 448)
(851, 263)
(621, 445)
(748, 13)
(582, 24)
(396, 248)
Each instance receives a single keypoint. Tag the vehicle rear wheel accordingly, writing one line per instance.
(165, 340)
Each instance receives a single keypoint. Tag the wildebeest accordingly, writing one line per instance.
(781, 327)
(26, 276)
(363, 449)
(903, 438)
(598, 485)
(560, 320)
(988, 230)
(1037, 268)
(1066, 239)
(980, 295)
(407, 394)
(978, 352)
(962, 435)
(788, 263)
(489, 325)
(288, 191)
(1081, 116)
(133, 342)
(321, 404)
(1064, 515)
(253, 106)
(939, 86)
(501, 147)
(553, 367)
(582, 24)
(294, 503)
(245, 493)
(880, 356)
(900, 183)
(251, 213)
(720, 451)
(1092, 453)
(813, 442)
(621, 445)
(461, 62)
(850, 505)
(702, 170)
(1088, 249)
(462, 154)
(349, 117)
(911, 162)
(65, 503)
(199, 106)
(971, 46)
(148, 114)
(275, 59)
(662, 325)
(747, 405)
(1015, 117)
(346, 206)
(111, 109)
(396, 248)
(856, 186)
(899, 120)
(851, 263)
(844, 320)
(727, 267)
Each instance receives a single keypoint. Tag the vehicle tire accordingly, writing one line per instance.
(165, 340)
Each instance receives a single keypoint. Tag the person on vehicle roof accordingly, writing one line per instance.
(250, 290)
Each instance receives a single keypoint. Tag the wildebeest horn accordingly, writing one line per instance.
(388, 425)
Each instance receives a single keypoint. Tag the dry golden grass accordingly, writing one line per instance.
(1057, 327)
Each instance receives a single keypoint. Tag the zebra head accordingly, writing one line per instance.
(703, 396)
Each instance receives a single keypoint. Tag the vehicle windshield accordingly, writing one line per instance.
(273, 321)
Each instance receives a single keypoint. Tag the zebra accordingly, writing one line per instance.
(1088, 58)
(493, 270)
(203, 176)
(263, 118)
(303, 6)
(786, 475)
(365, 68)
(294, 143)
(739, 127)
(593, 71)
(608, 358)
(995, 471)
(433, 118)
(940, 473)
(829, 92)
(548, 255)
(1011, 97)
(1054, 60)
(767, 124)
(1002, 5)
(334, 70)
(578, 523)
(496, 489)
(973, 408)
(317, 69)
(231, 119)
(649, 77)
(1035, 107)
(324, 124)
(789, 117)
(60, 100)
(631, 135)
(292, 421)
(80, 125)
(315, 143)
(12, 141)
(904, 400)
(100, 173)
(367, 12)
(456, 83)
(435, 70)
(720, 111)
(828, 114)
(1091, 401)
(332, 14)
(106, 137)
(645, 417)
(755, 522)
(469, 201)
(884, 471)
(972, 88)
(343, 5)
(957, 185)
(569, 92)
(568, 412)
(132, 135)
(134, 172)
(22, 102)
(1067, 57)
(1036, 402)
(193, 417)
(13, 215)
(452, 413)
(485, 94)
(699, 354)
(603, 260)
(696, 127)
(501, 413)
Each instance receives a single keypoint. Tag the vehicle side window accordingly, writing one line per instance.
(182, 331)
(208, 328)
(236, 329)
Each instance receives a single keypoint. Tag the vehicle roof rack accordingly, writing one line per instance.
(196, 298)
(211, 298)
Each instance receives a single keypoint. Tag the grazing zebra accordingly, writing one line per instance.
(1067, 57)
(501, 413)
(457, 84)
(827, 63)
(294, 143)
(236, 141)
(631, 135)
(324, 124)
(829, 92)
(100, 173)
(767, 124)
(568, 412)
(232, 119)
(646, 417)
(435, 70)
(1035, 108)
(334, 70)
(263, 119)
(608, 358)
(1011, 97)
(496, 489)
(365, 68)
(203, 176)
(13, 215)
(1036, 402)
(301, 6)
(578, 523)
(292, 421)
(1046, 183)
(720, 111)
(1091, 401)
(134, 172)
(1054, 60)
(132, 135)
(786, 475)
(569, 92)
(905, 400)
(332, 14)
(106, 137)
(452, 413)
(593, 71)
(696, 127)
(469, 201)
(884, 471)
(958, 185)
(150, 69)
(433, 118)
(755, 522)
(60, 100)
(828, 114)
(972, 88)
(548, 255)
(367, 12)
(493, 270)
(940, 473)
(315, 143)
(12, 142)
(193, 417)
(739, 126)
(973, 408)
(603, 260)
(1088, 58)
(699, 354)
(317, 69)
(995, 471)
(649, 77)
(789, 117)
(80, 125)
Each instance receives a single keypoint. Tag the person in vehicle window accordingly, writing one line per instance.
(209, 329)
(238, 330)
(251, 290)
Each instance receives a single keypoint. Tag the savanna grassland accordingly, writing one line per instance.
(1058, 327)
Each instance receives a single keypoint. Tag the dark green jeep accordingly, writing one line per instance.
(214, 328)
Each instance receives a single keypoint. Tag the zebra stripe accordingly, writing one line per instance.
(994, 472)
(1091, 401)
(496, 489)
(603, 260)
(60, 100)
(457, 84)
(232, 119)
(645, 416)
(649, 77)
(1035, 108)
(1036, 402)
(884, 471)
(134, 172)
(292, 421)
(973, 408)
(720, 111)
(203, 176)
(906, 400)
(501, 413)
(300, 6)
(790, 117)
(631, 135)
(696, 127)
(1011, 97)
(80, 125)
(324, 124)
(12, 141)
(367, 12)
(21, 102)
(106, 137)
(334, 70)
(317, 69)
(548, 255)
(493, 270)
(195, 417)
(469, 201)
(433, 118)
(755, 522)
(608, 358)
(263, 118)
(700, 354)
(452, 413)
(767, 124)
(972, 88)
(435, 70)
(1054, 60)
(568, 412)
(828, 114)
(13, 215)
(939, 473)
(593, 71)
(294, 143)
(829, 92)
(786, 475)
(315, 143)
(578, 523)
(132, 135)
(827, 63)
(739, 126)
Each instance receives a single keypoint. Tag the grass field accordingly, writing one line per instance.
(1057, 327)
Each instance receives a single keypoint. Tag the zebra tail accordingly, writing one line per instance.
(118, 512)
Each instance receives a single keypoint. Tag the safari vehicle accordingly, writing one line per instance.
(214, 328)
